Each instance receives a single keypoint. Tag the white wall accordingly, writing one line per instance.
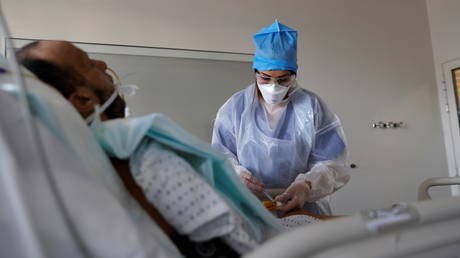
(370, 60)
(444, 20)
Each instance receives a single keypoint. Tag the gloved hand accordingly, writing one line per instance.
(295, 196)
(251, 182)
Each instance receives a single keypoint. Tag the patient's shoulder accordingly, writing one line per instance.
(152, 158)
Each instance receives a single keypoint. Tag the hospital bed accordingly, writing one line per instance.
(422, 229)
(57, 202)
(435, 181)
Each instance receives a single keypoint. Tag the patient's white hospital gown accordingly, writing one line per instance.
(295, 221)
(189, 203)
(186, 200)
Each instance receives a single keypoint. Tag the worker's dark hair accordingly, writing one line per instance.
(65, 79)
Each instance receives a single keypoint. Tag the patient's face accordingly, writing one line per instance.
(63, 53)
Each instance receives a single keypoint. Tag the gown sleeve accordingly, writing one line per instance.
(224, 133)
(327, 161)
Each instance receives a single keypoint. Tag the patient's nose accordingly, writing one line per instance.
(100, 64)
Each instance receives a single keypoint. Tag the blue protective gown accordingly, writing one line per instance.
(306, 134)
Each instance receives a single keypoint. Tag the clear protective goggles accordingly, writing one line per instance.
(284, 80)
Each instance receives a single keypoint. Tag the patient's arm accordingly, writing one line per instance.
(215, 247)
(122, 168)
(272, 207)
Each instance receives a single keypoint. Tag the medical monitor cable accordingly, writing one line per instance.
(31, 126)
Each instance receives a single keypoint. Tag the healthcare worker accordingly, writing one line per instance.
(278, 135)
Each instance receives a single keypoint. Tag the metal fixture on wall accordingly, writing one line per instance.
(385, 125)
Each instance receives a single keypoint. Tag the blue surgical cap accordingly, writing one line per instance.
(276, 48)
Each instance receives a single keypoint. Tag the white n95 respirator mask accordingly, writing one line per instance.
(273, 93)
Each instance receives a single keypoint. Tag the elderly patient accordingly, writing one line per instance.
(163, 183)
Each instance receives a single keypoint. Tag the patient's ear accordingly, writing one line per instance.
(84, 100)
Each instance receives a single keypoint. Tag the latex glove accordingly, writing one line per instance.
(295, 196)
(326, 177)
(251, 182)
